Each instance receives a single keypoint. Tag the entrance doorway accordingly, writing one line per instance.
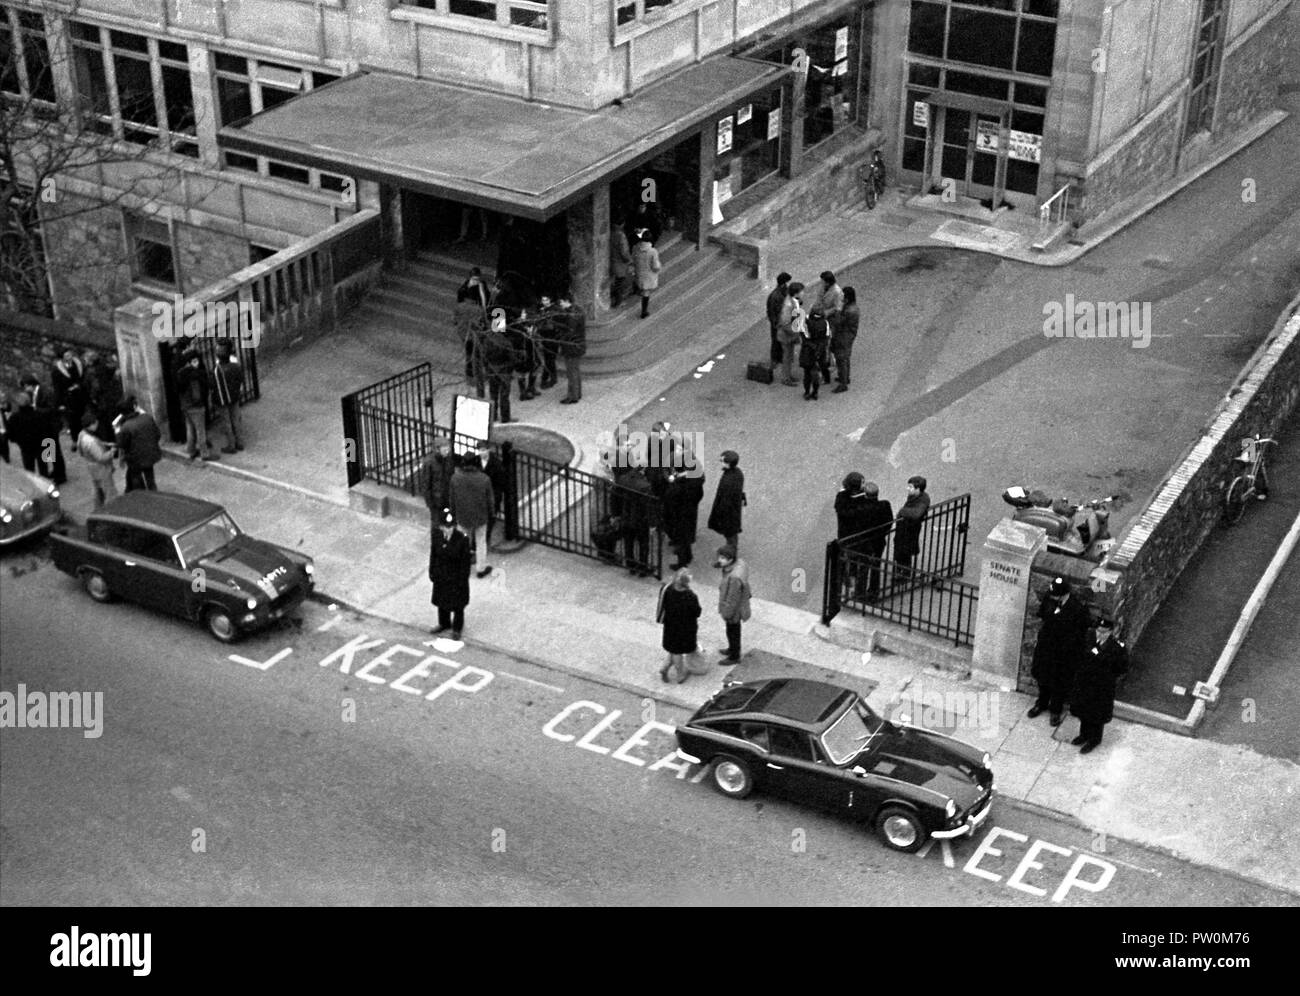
(972, 152)
(668, 186)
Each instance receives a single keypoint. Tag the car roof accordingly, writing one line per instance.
(164, 509)
(799, 701)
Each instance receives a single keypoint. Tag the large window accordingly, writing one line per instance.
(507, 13)
(248, 86)
(748, 145)
(1206, 55)
(25, 56)
(115, 73)
(1009, 35)
(635, 11)
(151, 250)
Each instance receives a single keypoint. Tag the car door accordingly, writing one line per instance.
(156, 576)
(797, 770)
(116, 558)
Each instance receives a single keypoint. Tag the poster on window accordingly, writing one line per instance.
(986, 136)
(841, 68)
(842, 43)
(724, 134)
(722, 190)
(744, 114)
(1024, 146)
(921, 114)
(774, 124)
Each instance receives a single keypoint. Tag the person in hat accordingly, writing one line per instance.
(733, 598)
(1060, 646)
(449, 565)
(1092, 697)
(728, 500)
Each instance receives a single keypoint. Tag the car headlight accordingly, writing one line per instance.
(251, 603)
(987, 760)
(950, 810)
(310, 568)
(5, 517)
(52, 491)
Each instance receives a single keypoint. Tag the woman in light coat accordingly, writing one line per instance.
(645, 258)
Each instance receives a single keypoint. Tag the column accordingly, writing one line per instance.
(588, 228)
(1007, 557)
(203, 87)
(138, 357)
(708, 145)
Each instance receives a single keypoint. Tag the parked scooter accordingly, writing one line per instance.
(1079, 529)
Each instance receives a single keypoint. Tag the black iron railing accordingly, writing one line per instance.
(388, 428)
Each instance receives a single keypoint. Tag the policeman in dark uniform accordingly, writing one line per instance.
(1062, 641)
(1092, 699)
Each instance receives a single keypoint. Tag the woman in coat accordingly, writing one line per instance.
(845, 331)
(812, 354)
(645, 259)
(679, 611)
(449, 572)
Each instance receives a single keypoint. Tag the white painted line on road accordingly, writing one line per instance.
(444, 646)
(329, 623)
(1219, 335)
(540, 684)
(262, 665)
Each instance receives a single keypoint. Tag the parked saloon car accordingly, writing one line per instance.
(821, 745)
(28, 504)
(184, 556)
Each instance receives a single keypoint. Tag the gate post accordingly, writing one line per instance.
(351, 442)
(831, 583)
(1009, 554)
(511, 504)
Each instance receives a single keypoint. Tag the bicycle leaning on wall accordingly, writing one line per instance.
(1251, 482)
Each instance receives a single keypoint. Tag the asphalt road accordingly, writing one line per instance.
(292, 773)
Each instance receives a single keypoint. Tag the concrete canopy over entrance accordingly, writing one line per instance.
(499, 152)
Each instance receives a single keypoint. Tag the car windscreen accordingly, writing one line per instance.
(207, 537)
(846, 737)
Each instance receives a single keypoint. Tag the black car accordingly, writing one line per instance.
(822, 745)
(184, 556)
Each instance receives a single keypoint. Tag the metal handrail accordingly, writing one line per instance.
(1053, 212)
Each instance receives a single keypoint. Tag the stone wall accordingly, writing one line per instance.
(205, 256)
(1188, 504)
(1146, 158)
(1250, 76)
(31, 344)
(86, 257)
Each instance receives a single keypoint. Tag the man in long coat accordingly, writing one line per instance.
(449, 571)
(473, 504)
(728, 500)
(1059, 648)
(681, 512)
(1092, 698)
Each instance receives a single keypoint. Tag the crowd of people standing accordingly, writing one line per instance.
(815, 324)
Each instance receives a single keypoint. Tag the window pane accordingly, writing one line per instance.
(983, 86)
(178, 99)
(474, 8)
(994, 4)
(85, 32)
(330, 181)
(914, 154)
(1043, 8)
(128, 42)
(235, 100)
(36, 56)
(283, 171)
(528, 19)
(274, 96)
(232, 63)
(154, 260)
(925, 33)
(924, 76)
(173, 52)
(1037, 45)
(1022, 177)
(135, 91)
(626, 13)
(1027, 121)
(237, 160)
(92, 83)
(320, 79)
(986, 39)
(8, 68)
(1027, 93)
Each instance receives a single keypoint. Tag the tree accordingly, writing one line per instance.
(62, 127)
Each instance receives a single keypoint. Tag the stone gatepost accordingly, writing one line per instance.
(1008, 557)
(138, 357)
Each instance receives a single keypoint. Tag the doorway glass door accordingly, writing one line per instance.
(984, 157)
(955, 153)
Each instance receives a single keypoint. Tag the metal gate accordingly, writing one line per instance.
(861, 573)
(171, 352)
(388, 428)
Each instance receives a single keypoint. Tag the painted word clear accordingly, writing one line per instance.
(53, 710)
(1073, 319)
(187, 318)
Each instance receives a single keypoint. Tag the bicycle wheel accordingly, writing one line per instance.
(1261, 482)
(1235, 501)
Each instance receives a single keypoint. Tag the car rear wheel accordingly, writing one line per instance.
(900, 828)
(95, 585)
(731, 777)
(221, 625)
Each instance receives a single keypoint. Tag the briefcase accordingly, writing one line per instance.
(761, 372)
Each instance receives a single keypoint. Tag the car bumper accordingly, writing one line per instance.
(971, 823)
(15, 531)
(269, 612)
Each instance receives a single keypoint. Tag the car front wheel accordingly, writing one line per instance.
(95, 585)
(900, 828)
(731, 777)
(221, 625)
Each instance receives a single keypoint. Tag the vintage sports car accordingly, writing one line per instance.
(822, 745)
(28, 504)
(184, 556)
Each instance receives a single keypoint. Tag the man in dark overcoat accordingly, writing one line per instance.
(1061, 642)
(681, 511)
(1092, 698)
(449, 571)
(729, 499)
